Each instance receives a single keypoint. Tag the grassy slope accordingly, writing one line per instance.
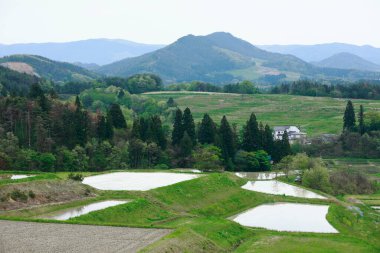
(315, 115)
(198, 209)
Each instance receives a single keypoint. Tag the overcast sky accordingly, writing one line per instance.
(163, 21)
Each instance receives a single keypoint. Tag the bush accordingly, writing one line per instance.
(161, 166)
(317, 178)
(76, 177)
(19, 195)
(208, 158)
(31, 194)
(346, 182)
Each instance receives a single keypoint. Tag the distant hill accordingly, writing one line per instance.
(347, 61)
(98, 51)
(14, 82)
(46, 68)
(315, 53)
(221, 57)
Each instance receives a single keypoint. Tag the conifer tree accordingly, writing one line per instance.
(251, 140)
(349, 120)
(188, 124)
(226, 140)
(136, 129)
(186, 145)
(116, 116)
(285, 149)
(361, 120)
(268, 140)
(158, 132)
(207, 130)
(177, 133)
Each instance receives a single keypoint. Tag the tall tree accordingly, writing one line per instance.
(158, 134)
(285, 150)
(226, 140)
(188, 124)
(116, 116)
(268, 140)
(136, 129)
(207, 130)
(251, 137)
(349, 120)
(177, 133)
(185, 145)
(361, 120)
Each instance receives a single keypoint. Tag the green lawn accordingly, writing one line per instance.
(315, 115)
(198, 211)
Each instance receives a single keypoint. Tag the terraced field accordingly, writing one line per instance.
(315, 115)
(198, 212)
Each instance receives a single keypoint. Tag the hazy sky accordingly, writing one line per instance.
(163, 21)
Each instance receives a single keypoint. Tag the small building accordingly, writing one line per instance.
(294, 133)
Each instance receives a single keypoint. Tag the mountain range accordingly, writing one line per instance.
(95, 51)
(218, 58)
(319, 52)
(221, 57)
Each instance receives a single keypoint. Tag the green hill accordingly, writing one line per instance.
(348, 61)
(315, 115)
(13, 82)
(46, 68)
(221, 57)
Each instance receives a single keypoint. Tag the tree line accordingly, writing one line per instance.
(360, 89)
(40, 132)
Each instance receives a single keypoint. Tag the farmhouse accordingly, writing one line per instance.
(294, 133)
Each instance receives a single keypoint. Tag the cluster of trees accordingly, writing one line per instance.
(41, 132)
(250, 150)
(314, 174)
(244, 87)
(361, 89)
(360, 136)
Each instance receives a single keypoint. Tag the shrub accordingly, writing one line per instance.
(317, 178)
(346, 182)
(19, 195)
(31, 194)
(76, 177)
(161, 166)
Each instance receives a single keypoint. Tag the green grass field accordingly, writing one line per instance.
(198, 211)
(315, 115)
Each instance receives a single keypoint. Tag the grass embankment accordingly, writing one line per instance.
(198, 209)
(315, 115)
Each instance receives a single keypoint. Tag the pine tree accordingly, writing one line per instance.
(268, 140)
(226, 140)
(116, 116)
(177, 133)
(207, 130)
(158, 132)
(101, 128)
(188, 124)
(285, 149)
(186, 145)
(361, 120)
(136, 129)
(78, 104)
(251, 139)
(349, 120)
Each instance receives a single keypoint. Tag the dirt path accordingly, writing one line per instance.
(18, 236)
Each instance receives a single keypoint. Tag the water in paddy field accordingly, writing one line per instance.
(280, 188)
(78, 211)
(14, 177)
(259, 175)
(287, 217)
(135, 181)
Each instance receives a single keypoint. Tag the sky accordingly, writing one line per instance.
(164, 21)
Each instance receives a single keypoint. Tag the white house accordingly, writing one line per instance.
(294, 133)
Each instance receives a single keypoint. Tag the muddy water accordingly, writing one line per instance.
(280, 188)
(135, 181)
(287, 217)
(78, 211)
